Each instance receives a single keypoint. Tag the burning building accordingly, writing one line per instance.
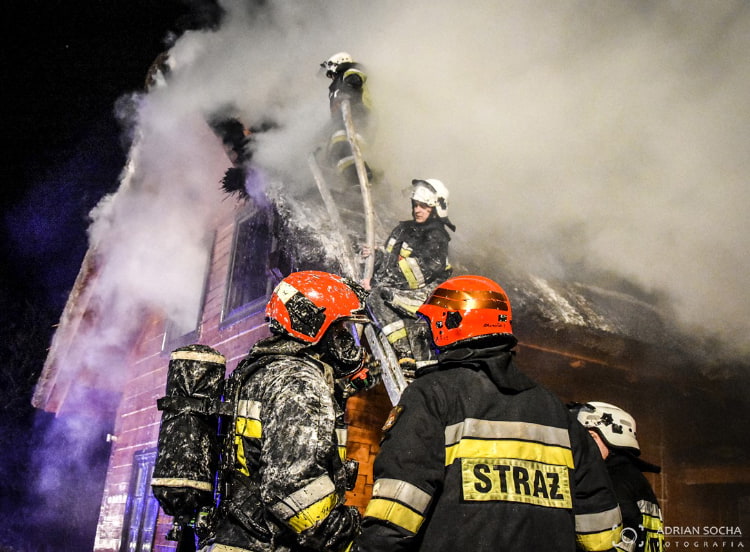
(174, 259)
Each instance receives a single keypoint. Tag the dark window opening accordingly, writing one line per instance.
(142, 508)
(250, 275)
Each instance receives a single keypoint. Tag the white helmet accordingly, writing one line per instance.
(615, 426)
(332, 63)
(433, 193)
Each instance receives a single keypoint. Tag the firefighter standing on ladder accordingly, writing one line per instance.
(285, 488)
(348, 81)
(413, 261)
(478, 457)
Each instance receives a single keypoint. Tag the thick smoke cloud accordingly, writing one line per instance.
(581, 139)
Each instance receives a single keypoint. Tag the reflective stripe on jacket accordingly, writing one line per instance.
(478, 457)
(415, 255)
(287, 489)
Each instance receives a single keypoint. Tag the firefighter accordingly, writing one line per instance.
(413, 261)
(348, 81)
(478, 457)
(285, 491)
(614, 432)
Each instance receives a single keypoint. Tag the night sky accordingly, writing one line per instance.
(64, 149)
(65, 73)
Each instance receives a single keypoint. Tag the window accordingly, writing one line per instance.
(179, 334)
(250, 275)
(142, 508)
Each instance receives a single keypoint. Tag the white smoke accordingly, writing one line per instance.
(611, 136)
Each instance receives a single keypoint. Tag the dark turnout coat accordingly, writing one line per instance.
(478, 457)
(286, 488)
(415, 255)
(642, 523)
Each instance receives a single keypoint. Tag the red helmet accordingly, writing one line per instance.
(305, 304)
(466, 307)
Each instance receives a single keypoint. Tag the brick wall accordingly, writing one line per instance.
(137, 423)
(365, 413)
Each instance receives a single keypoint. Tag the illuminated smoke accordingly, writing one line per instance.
(586, 141)
(590, 139)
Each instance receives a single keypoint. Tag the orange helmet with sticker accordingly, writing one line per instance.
(468, 307)
(305, 304)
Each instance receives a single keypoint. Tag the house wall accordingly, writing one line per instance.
(629, 381)
(137, 422)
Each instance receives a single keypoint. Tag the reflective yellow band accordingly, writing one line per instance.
(307, 506)
(401, 491)
(417, 271)
(596, 542)
(600, 521)
(309, 517)
(493, 429)
(177, 482)
(599, 531)
(393, 326)
(251, 429)
(342, 436)
(345, 163)
(355, 71)
(652, 523)
(651, 514)
(198, 356)
(395, 513)
(216, 547)
(406, 270)
(240, 456)
(407, 303)
(496, 448)
(338, 137)
(396, 335)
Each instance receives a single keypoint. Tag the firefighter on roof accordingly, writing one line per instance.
(413, 261)
(348, 81)
(613, 430)
(285, 489)
(478, 457)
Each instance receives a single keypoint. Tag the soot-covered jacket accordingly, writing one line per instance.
(477, 457)
(415, 255)
(642, 523)
(350, 81)
(287, 486)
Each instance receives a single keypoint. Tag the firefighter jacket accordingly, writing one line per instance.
(350, 81)
(477, 457)
(642, 523)
(286, 488)
(415, 255)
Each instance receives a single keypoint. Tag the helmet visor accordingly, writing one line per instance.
(344, 345)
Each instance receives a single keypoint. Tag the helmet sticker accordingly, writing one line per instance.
(305, 317)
